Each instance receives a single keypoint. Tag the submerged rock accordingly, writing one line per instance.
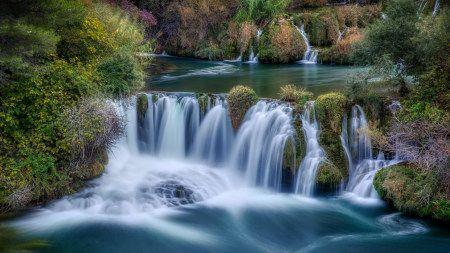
(175, 194)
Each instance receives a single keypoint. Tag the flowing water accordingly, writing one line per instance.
(182, 74)
(358, 149)
(182, 180)
(310, 56)
(307, 172)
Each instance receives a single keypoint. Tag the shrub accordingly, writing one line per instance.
(121, 74)
(240, 99)
(413, 191)
(281, 43)
(93, 126)
(330, 109)
(322, 27)
(341, 52)
(328, 176)
(290, 93)
(261, 11)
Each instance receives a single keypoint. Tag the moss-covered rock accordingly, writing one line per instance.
(330, 109)
(328, 176)
(413, 191)
(341, 51)
(292, 94)
(240, 99)
(142, 105)
(322, 26)
(280, 43)
(203, 100)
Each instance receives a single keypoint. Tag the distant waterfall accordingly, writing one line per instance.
(307, 172)
(310, 55)
(252, 58)
(260, 143)
(436, 7)
(358, 150)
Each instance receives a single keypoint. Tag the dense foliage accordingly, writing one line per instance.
(55, 58)
(240, 99)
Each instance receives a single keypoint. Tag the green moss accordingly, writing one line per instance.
(413, 191)
(240, 99)
(203, 102)
(289, 157)
(330, 109)
(291, 93)
(142, 105)
(322, 27)
(328, 176)
(280, 43)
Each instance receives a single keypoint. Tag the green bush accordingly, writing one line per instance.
(240, 99)
(121, 74)
(280, 43)
(330, 109)
(290, 93)
(413, 191)
(328, 176)
(261, 11)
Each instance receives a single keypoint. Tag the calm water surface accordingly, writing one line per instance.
(183, 74)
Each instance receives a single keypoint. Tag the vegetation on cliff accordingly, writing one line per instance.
(240, 99)
(56, 58)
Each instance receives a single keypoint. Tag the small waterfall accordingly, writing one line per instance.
(252, 57)
(215, 136)
(358, 150)
(436, 7)
(310, 55)
(307, 172)
(341, 34)
(260, 143)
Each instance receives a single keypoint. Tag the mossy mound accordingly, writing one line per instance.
(280, 43)
(341, 52)
(330, 109)
(142, 105)
(203, 100)
(293, 94)
(240, 99)
(328, 176)
(322, 27)
(413, 191)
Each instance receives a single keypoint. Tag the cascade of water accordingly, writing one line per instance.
(310, 55)
(307, 172)
(358, 150)
(341, 34)
(252, 57)
(260, 143)
(215, 136)
(436, 7)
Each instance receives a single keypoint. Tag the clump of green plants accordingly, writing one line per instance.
(280, 43)
(240, 99)
(330, 109)
(261, 11)
(58, 58)
(414, 191)
(293, 94)
(328, 176)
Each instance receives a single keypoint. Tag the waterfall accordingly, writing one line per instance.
(341, 34)
(252, 57)
(307, 172)
(310, 55)
(358, 150)
(260, 143)
(215, 136)
(437, 4)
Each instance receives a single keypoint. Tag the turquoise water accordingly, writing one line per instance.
(247, 221)
(183, 74)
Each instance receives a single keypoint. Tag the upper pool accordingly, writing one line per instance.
(191, 75)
